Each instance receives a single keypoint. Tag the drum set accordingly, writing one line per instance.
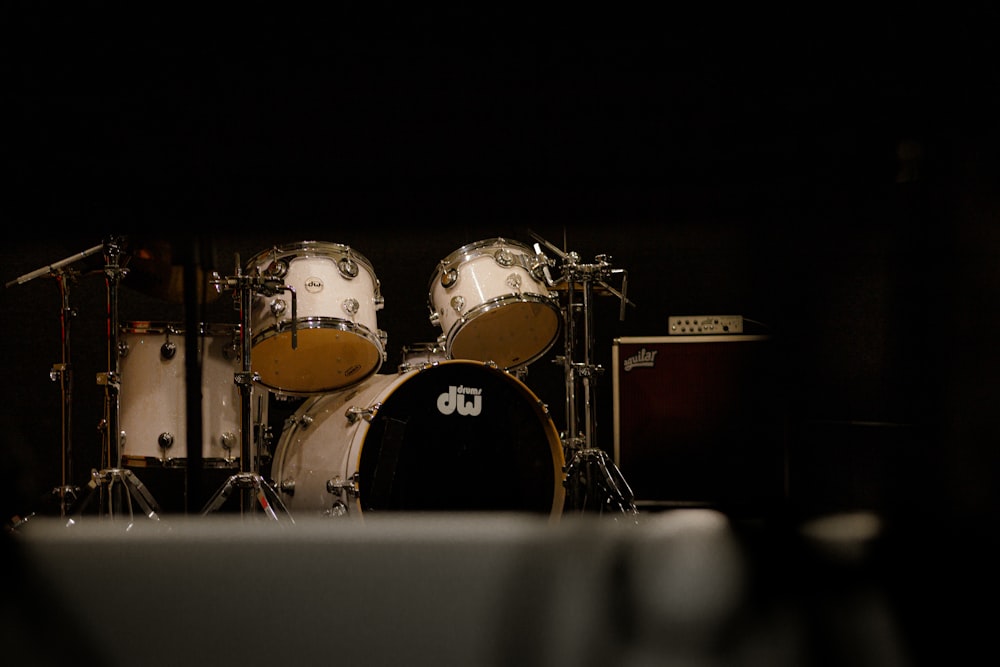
(455, 428)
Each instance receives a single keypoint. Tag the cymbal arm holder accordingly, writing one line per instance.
(113, 271)
(593, 481)
(254, 489)
(244, 379)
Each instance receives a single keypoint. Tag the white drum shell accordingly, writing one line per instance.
(153, 394)
(421, 354)
(493, 312)
(338, 342)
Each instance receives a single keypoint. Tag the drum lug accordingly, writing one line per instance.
(348, 268)
(449, 278)
(165, 440)
(504, 257)
(435, 318)
(337, 485)
(351, 306)
(338, 510)
(168, 350)
(355, 414)
(379, 302)
(458, 303)
(227, 440)
(278, 268)
(278, 307)
(514, 282)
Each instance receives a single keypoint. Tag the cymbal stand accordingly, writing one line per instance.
(63, 371)
(593, 481)
(116, 487)
(248, 480)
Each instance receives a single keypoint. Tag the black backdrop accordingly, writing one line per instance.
(834, 185)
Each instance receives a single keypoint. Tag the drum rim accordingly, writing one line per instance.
(465, 253)
(312, 249)
(177, 327)
(499, 302)
(321, 322)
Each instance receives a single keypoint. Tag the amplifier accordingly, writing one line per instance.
(700, 420)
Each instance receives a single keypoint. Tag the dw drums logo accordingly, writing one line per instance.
(467, 400)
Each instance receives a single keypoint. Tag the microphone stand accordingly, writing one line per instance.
(63, 371)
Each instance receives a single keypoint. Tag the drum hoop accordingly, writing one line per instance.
(310, 249)
(471, 251)
(215, 463)
(285, 326)
(499, 302)
(177, 328)
(494, 304)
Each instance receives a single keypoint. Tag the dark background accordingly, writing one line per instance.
(832, 179)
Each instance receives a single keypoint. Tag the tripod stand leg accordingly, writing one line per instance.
(219, 498)
(266, 496)
(596, 484)
(141, 494)
(105, 481)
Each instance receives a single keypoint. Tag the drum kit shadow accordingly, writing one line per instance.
(455, 428)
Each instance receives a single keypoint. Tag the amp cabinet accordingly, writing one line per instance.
(700, 420)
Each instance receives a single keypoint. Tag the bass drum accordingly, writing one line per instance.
(456, 436)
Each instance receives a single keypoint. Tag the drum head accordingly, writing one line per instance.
(510, 332)
(461, 436)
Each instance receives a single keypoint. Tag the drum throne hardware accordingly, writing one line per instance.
(63, 371)
(116, 487)
(248, 480)
(593, 481)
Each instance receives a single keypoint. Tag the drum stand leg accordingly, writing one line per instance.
(252, 486)
(116, 487)
(595, 484)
